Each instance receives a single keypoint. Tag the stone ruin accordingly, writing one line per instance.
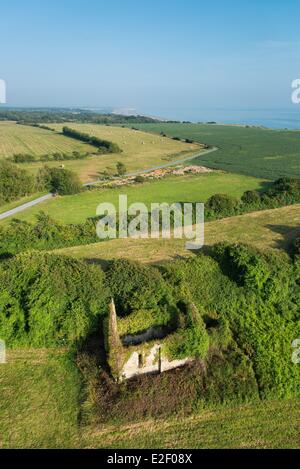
(133, 355)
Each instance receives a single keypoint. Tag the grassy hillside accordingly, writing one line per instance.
(189, 188)
(265, 229)
(16, 138)
(254, 151)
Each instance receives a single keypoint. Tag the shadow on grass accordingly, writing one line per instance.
(288, 234)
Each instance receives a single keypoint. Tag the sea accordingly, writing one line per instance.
(270, 118)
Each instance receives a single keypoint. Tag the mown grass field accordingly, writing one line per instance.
(188, 188)
(254, 151)
(15, 138)
(141, 150)
(41, 403)
(39, 400)
(267, 229)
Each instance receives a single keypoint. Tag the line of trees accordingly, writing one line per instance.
(104, 146)
(56, 156)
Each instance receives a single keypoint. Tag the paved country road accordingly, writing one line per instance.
(23, 207)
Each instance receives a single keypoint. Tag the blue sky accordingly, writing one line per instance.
(150, 53)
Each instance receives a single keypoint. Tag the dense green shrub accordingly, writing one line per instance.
(45, 233)
(48, 300)
(14, 182)
(143, 319)
(135, 286)
(23, 158)
(258, 296)
(251, 198)
(230, 378)
(190, 339)
(222, 204)
(59, 180)
(243, 264)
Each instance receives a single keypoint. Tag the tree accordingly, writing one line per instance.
(59, 180)
(250, 198)
(14, 182)
(121, 168)
(222, 204)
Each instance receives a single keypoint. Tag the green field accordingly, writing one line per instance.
(41, 404)
(140, 150)
(267, 229)
(188, 188)
(254, 151)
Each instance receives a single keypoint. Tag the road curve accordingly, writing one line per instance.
(23, 207)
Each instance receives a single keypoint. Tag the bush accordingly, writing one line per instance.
(251, 198)
(14, 182)
(59, 180)
(121, 168)
(23, 158)
(45, 233)
(135, 286)
(139, 179)
(48, 300)
(222, 204)
(191, 339)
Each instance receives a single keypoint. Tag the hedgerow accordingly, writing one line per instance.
(104, 146)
